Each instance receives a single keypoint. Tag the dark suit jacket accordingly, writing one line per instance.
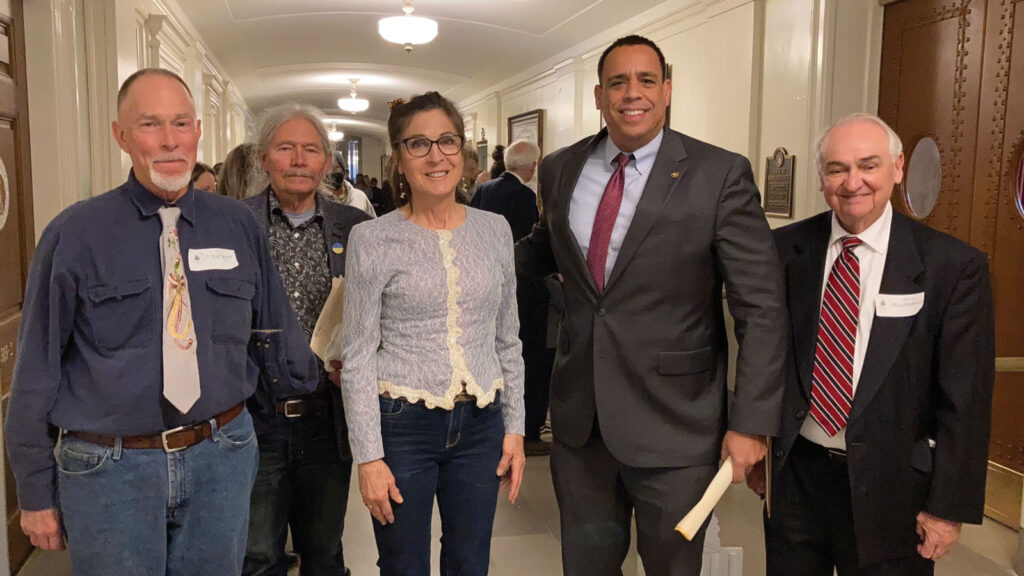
(649, 356)
(927, 376)
(338, 221)
(507, 196)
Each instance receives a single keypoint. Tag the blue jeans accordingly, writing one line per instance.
(148, 512)
(302, 483)
(452, 455)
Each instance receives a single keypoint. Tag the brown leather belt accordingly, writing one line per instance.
(302, 406)
(169, 440)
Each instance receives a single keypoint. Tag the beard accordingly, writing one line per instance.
(169, 183)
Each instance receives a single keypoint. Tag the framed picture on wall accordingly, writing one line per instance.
(527, 126)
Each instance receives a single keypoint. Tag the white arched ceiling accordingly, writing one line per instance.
(306, 50)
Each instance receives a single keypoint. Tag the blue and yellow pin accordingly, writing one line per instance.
(337, 248)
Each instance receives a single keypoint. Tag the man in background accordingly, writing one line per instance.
(305, 463)
(509, 196)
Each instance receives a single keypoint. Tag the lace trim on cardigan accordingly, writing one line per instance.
(447, 402)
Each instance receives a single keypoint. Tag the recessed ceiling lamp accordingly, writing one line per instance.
(334, 134)
(407, 30)
(353, 104)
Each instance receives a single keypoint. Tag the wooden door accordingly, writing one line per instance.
(951, 72)
(16, 230)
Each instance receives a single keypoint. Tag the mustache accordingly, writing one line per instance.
(302, 173)
(170, 158)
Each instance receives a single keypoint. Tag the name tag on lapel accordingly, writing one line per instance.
(211, 259)
(898, 305)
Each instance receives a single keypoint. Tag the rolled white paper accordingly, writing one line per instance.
(695, 518)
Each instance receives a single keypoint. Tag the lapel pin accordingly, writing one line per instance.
(674, 175)
(337, 248)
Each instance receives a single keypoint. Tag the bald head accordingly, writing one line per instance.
(521, 157)
(126, 86)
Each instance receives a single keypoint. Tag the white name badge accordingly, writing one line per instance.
(898, 305)
(211, 259)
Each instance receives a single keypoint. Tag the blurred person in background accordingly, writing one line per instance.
(240, 175)
(204, 178)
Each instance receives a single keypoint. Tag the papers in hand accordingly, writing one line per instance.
(695, 518)
(326, 340)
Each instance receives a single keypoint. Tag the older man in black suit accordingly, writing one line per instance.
(884, 437)
(509, 196)
(645, 225)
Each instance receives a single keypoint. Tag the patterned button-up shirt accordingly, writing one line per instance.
(299, 252)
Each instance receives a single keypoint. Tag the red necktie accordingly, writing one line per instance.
(832, 378)
(604, 221)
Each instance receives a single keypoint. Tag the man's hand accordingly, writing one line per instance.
(378, 488)
(937, 535)
(43, 528)
(510, 468)
(745, 450)
(335, 374)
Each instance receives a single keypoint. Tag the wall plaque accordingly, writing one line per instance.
(778, 184)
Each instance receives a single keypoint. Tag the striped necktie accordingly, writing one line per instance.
(832, 378)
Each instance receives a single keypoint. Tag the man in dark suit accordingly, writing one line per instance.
(645, 225)
(509, 196)
(882, 449)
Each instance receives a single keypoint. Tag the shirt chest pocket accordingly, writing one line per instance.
(122, 315)
(232, 309)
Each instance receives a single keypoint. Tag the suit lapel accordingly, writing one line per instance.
(804, 278)
(570, 174)
(668, 169)
(902, 268)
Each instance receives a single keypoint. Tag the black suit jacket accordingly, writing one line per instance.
(338, 222)
(649, 356)
(925, 376)
(507, 196)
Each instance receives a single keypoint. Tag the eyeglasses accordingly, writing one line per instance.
(419, 146)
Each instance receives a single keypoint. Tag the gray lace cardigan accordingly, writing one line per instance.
(429, 313)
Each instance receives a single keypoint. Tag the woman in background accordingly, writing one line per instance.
(203, 178)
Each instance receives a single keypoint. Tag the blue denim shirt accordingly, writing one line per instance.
(90, 348)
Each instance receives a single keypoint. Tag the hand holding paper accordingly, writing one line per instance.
(695, 518)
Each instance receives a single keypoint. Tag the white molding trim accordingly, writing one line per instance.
(101, 52)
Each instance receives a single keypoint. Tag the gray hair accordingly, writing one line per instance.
(273, 118)
(520, 154)
(895, 144)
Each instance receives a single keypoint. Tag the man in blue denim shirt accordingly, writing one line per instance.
(140, 487)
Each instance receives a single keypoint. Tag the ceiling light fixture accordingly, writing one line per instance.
(353, 104)
(334, 134)
(407, 30)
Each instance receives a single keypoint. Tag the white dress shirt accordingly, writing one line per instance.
(871, 255)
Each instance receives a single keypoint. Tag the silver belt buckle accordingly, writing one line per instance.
(166, 433)
(288, 405)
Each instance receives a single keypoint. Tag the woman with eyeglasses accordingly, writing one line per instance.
(433, 372)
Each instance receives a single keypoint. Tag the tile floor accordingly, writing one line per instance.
(526, 540)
